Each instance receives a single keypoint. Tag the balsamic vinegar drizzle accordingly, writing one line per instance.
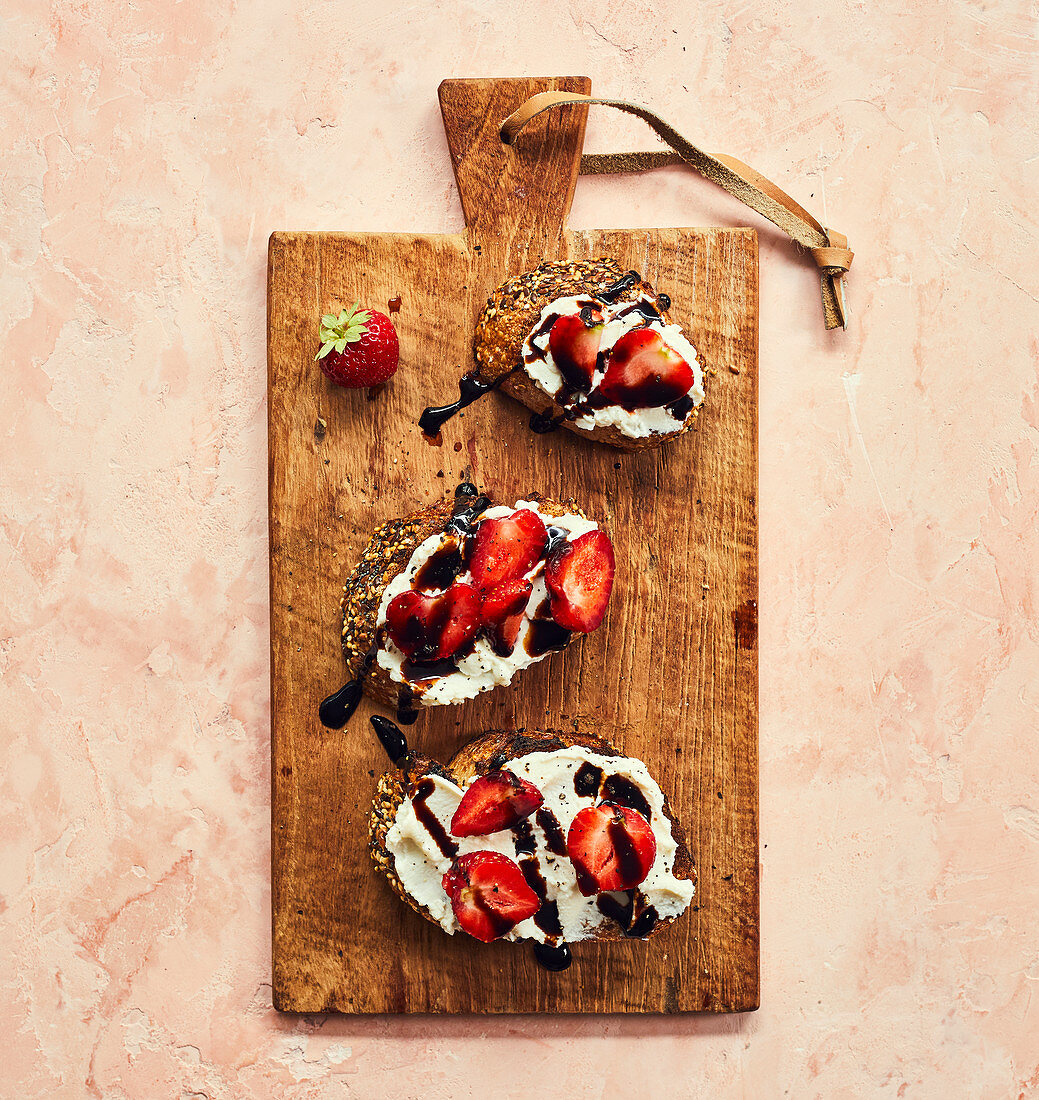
(620, 791)
(556, 539)
(554, 839)
(646, 310)
(423, 789)
(587, 781)
(407, 712)
(680, 409)
(470, 388)
(623, 284)
(440, 571)
(524, 840)
(336, 710)
(628, 861)
(553, 956)
(469, 503)
(633, 916)
(544, 636)
(422, 672)
(547, 917)
(391, 737)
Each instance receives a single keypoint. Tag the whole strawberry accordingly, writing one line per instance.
(359, 347)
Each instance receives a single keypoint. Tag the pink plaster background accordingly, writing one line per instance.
(146, 152)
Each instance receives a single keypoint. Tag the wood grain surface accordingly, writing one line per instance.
(670, 677)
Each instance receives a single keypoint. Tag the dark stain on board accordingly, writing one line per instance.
(745, 620)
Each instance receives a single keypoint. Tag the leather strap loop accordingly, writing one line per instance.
(828, 248)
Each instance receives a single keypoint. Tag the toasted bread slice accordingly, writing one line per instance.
(386, 556)
(511, 315)
(491, 751)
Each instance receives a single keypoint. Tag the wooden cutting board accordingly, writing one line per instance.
(671, 676)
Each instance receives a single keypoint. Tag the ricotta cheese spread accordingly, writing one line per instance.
(420, 863)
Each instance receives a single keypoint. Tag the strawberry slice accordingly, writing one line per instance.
(644, 373)
(506, 548)
(579, 576)
(410, 620)
(489, 894)
(575, 346)
(611, 848)
(432, 628)
(503, 609)
(461, 618)
(495, 801)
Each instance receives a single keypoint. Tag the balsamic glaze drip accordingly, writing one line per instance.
(646, 310)
(416, 671)
(680, 409)
(620, 791)
(554, 839)
(544, 636)
(407, 712)
(440, 570)
(430, 823)
(470, 388)
(337, 709)
(619, 911)
(553, 957)
(391, 737)
(635, 921)
(557, 537)
(499, 643)
(546, 326)
(524, 840)
(468, 505)
(588, 780)
(629, 866)
(615, 290)
(643, 924)
(543, 423)
(585, 881)
(535, 879)
(547, 917)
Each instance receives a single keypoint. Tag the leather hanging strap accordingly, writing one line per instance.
(828, 248)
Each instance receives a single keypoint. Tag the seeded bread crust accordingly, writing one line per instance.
(486, 753)
(386, 555)
(512, 312)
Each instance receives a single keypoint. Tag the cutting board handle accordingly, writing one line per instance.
(513, 194)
